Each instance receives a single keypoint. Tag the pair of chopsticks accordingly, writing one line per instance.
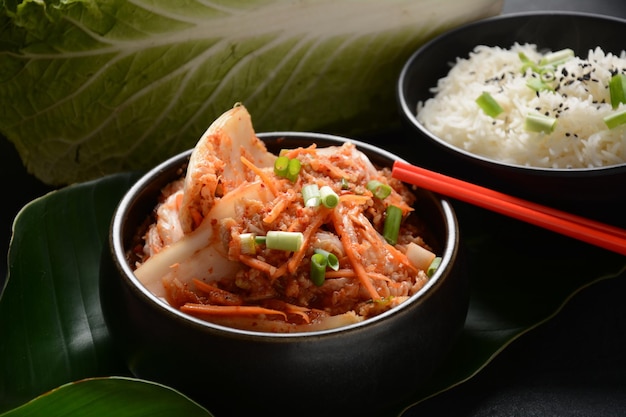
(578, 227)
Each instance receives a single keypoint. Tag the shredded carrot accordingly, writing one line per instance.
(352, 253)
(280, 271)
(298, 310)
(354, 198)
(217, 295)
(280, 206)
(264, 177)
(292, 153)
(340, 273)
(349, 273)
(297, 257)
(207, 309)
(203, 286)
(380, 277)
(257, 264)
(330, 169)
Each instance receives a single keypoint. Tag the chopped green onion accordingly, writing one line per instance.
(281, 165)
(557, 57)
(344, 184)
(318, 268)
(329, 197)
(615, 119)
(391, 228)
(547, 76)
(331, 258)
(311, 195)
(248, 243)
(489, 105)
(433, 266)
(539, 123)
(287, 168)
(379, 189)
(527, 63)
(538, 85)
(617, 88)
(287, 241)
(293, 169)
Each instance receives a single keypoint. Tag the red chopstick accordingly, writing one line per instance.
(578, 227)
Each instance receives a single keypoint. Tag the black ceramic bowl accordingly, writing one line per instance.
(361, 369)
(548, 30)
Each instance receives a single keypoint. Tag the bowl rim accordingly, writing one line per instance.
(450, 249)
(410, 114)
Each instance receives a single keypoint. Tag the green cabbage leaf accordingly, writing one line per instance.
(93, 87)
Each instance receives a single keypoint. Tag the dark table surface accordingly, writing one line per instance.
(573, 365)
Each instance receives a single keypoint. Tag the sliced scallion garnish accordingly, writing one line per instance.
(293, 169)
(287, 168)
(433, 266)
(547, 76)
(311, 195)
(331, 258)
(557, 57)
(329, 197)
(391, 228)
(281, 165)
(617, 88)
(489, 105)
(287, 241)
(535, 122)
(318, 268)
(379, 189)
(527, 63)
(615, 119)
(538, 84)
(247, 241)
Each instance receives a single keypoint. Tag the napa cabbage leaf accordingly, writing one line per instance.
(92, 87)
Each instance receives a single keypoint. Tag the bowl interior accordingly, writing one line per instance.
(440, 227)
(550, 30)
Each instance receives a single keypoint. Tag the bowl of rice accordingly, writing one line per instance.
(533, 104)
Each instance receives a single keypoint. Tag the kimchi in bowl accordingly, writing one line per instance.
(366, 367)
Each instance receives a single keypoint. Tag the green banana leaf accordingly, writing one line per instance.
(124, 397)
(52, 332)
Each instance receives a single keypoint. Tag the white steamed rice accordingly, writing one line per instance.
(581, 100)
